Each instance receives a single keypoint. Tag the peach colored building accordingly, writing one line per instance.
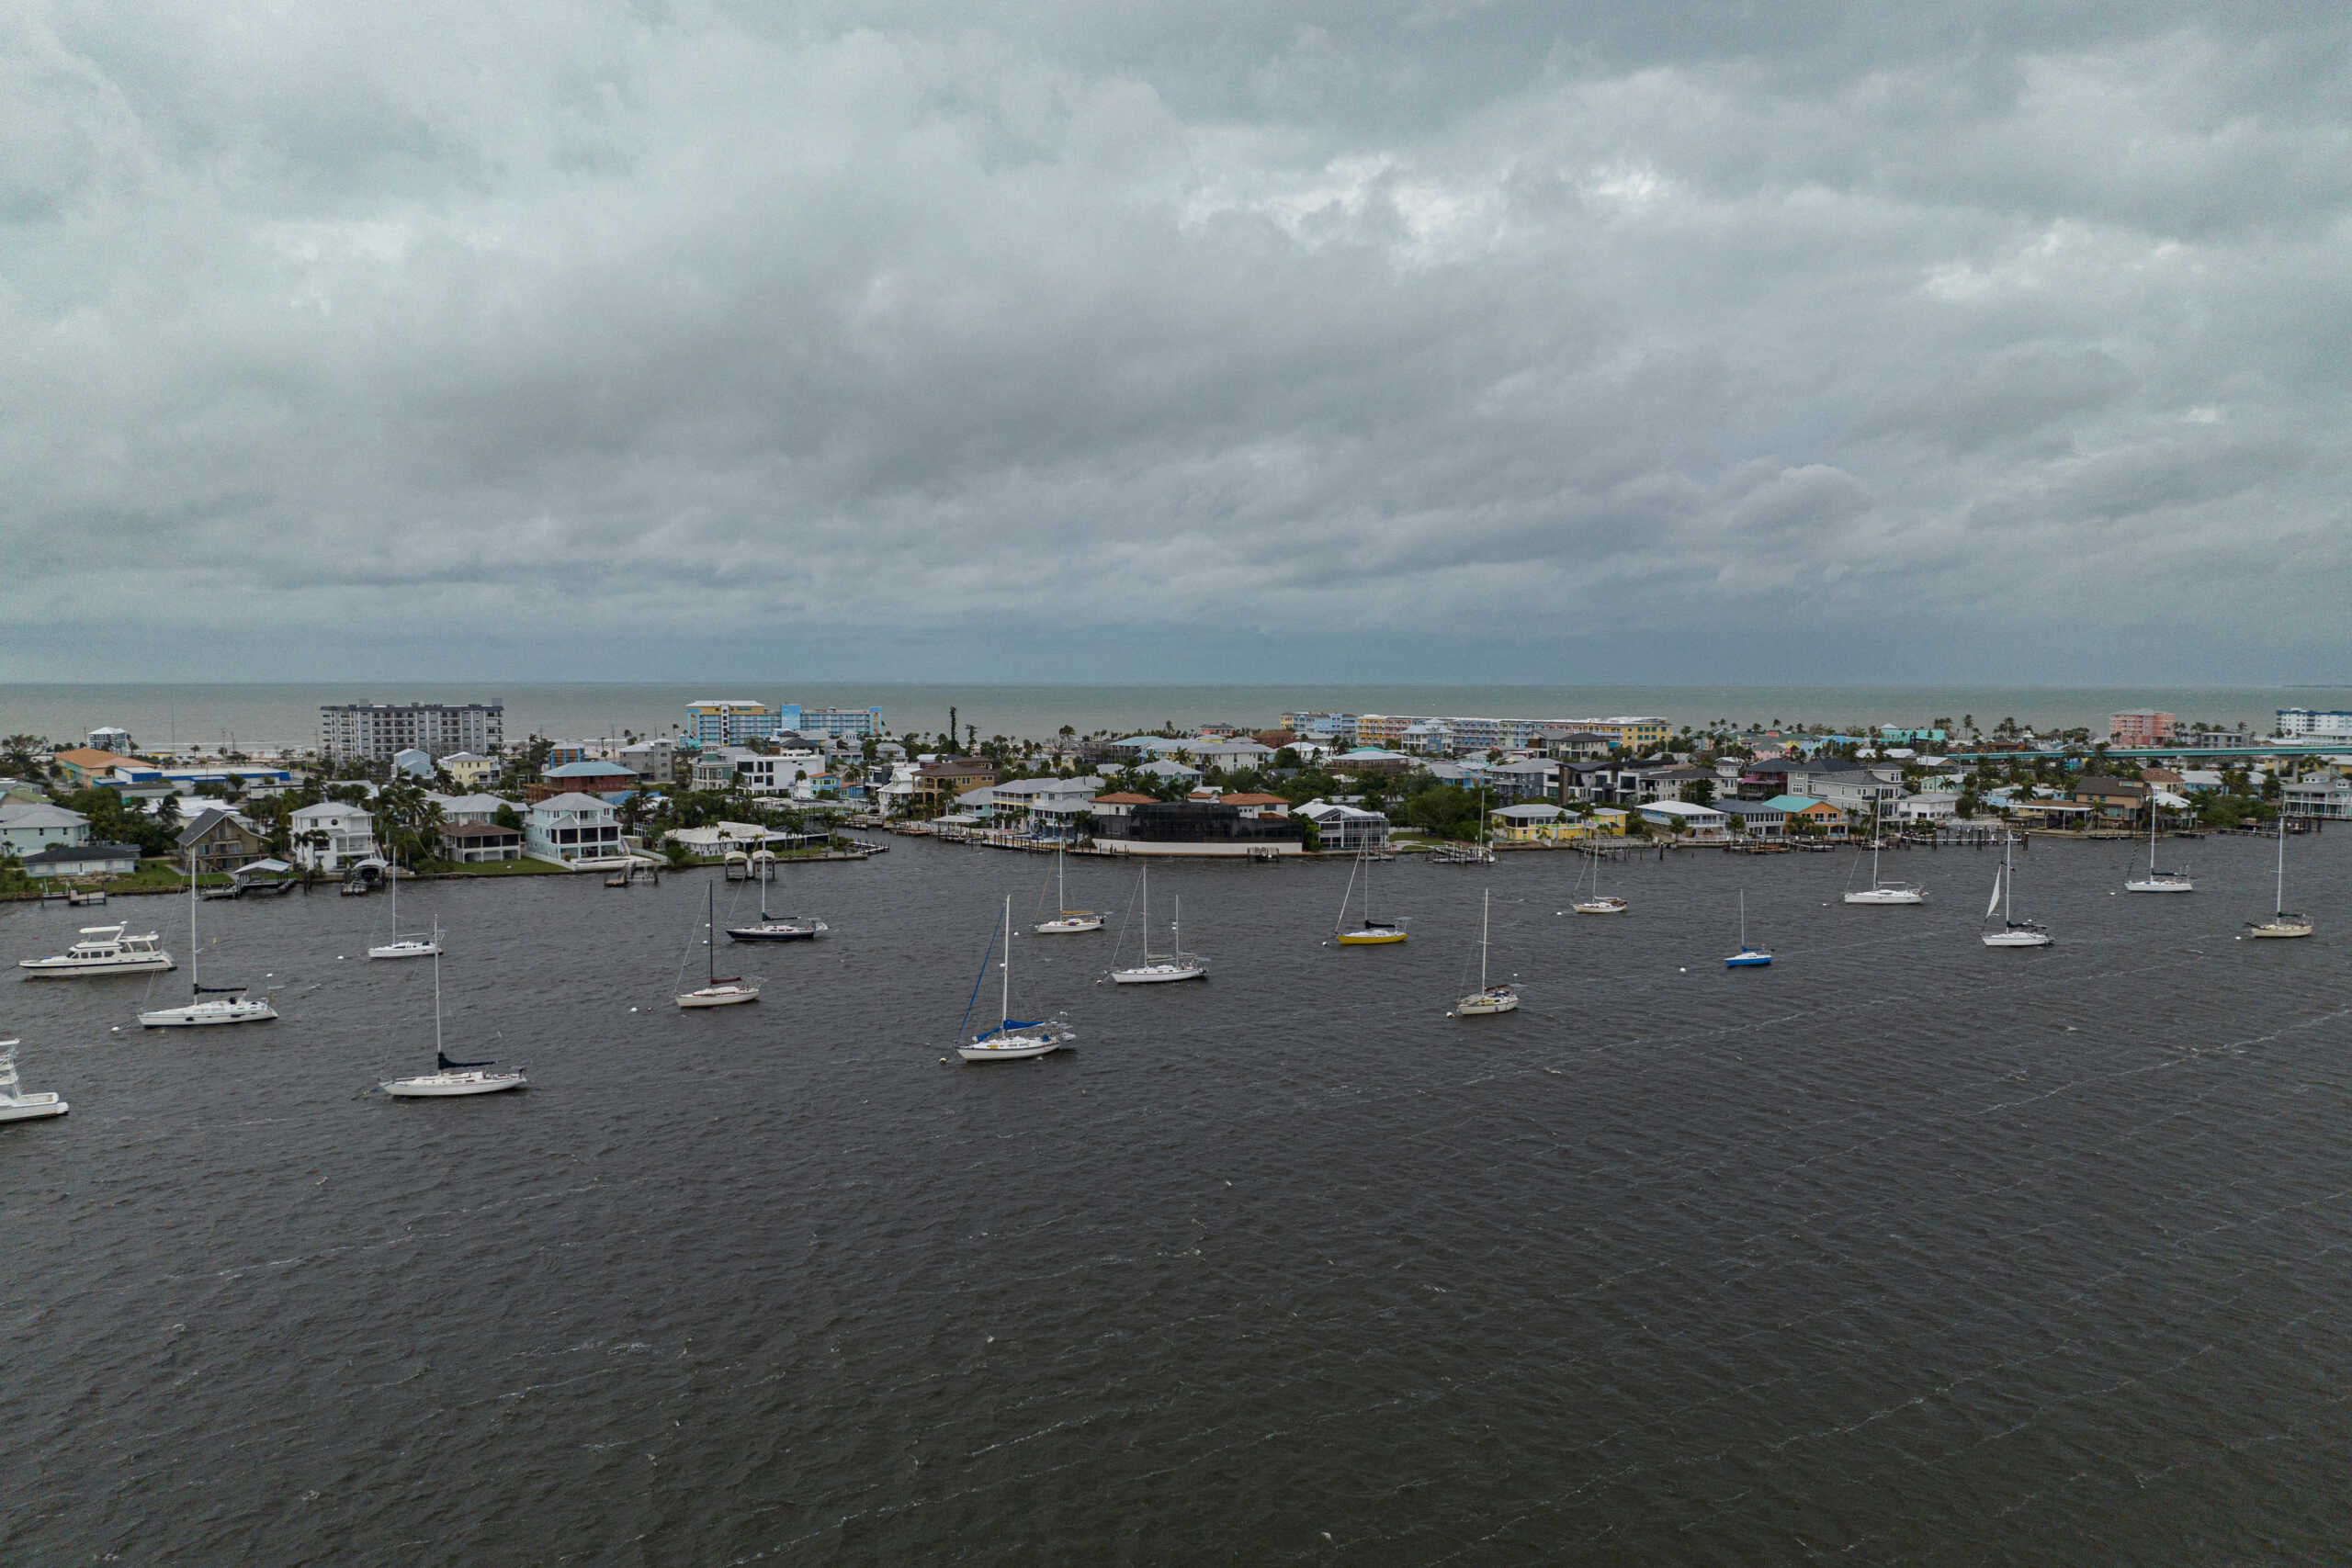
(2144, 729)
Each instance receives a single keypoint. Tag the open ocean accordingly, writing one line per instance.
(1900, 1251)
(288, 714)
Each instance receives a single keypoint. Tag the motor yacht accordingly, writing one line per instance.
(103, 950)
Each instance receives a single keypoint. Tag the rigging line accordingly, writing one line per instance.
(978, 981)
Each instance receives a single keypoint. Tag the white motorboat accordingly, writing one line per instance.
(2154, 881)
(1157, 968)
(103, 950)
(450, 1079)
(715, 992)
(1487, 998)
(1010, 1040)
(1886, 892)
(207, 1006)
(773, 928)
(1366, 932)
(1747, 957)
(2014, 933)
(2280, 923)
(1067, 921)
(1597, 904)
(15, 1104)
(405, 946)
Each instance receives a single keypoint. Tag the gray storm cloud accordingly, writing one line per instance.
(1621, 341)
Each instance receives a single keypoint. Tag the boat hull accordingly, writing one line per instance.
(1486, 1004)
(405, 949)
(719, 996)
(1068, 926)
(206, 1015)
(1888, 896)
(1158, 974)
(2272, 929)
(58, 969)
(2018, 939)
(32, 1108)
(447, 1085)
(1599, 906)
(1748, 960)
(2161, 885)
(1019, 1047)
(1368, 939)
(780, 931)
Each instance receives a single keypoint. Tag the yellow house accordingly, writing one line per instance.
(469, 770)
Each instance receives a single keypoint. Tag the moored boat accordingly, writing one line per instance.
(103, 950)
(15, 1104)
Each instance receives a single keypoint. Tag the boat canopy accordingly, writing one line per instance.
(1007, 1027)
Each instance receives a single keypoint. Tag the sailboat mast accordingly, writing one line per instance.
(2008, 879)
(195, 984)
(1004, 1000)
(436, 1003)
(709, 935)
(2278, 899)
(1485, 906)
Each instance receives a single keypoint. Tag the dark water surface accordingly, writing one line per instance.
(1901, 1251)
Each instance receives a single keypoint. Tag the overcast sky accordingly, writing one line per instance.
(1023, 341)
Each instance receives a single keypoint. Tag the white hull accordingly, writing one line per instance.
(2017, 939)
(1888, 896)
(30, 1107)
(778, 931)
(2277, 929)
(1481, 1004)
(442, 1086)
(1068, 926)
(1013, 1048)
(1599, 906)
(405, 949)
(198, 1015)
(720, 996)
(1155, 974)
(2160, 885)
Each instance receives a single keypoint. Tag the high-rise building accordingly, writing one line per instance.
(374, 731)
(2143, 727)
(720, 721)
(2318, 724)
(860, 722)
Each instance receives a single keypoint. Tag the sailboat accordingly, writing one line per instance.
(1597, 905)
(798, 928)
(1067, 921)
(206, 1004)
(403, 946)
(2280, 923)
(2158, 881)
(15, 1104)
(1885, 892)
(1368, 932)
(1010, 1039)
(1487, 998)
(1747, 957)
(715, 992)
(448, 1078)
(1175, 965)
(2013, 932)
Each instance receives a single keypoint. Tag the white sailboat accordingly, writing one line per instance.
(1366, 932)
(15, 1104)
(2158, 881)
(715, 992)
(103, 950)
(450, 1079)
(1067, 921)
(2280, 923)
(207, 1005)
(1747, 957)
(1011, 1039)
(1487, 998)
(1154, 969)
(2014, 933)
(773, 927)
(1595, 904)
(1886, 892)
(403, 946)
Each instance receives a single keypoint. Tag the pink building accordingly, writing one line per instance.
(2144, 728)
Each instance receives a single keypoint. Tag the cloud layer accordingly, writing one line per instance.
(1471, 341)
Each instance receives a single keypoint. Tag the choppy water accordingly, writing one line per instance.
(1901, 1251)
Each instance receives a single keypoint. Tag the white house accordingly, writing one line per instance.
(413, 761)
(1927, 806)
(1702, 821)
(457, 809)
(1340, 826)
(331, 835)
(571, 830)
(27, 828)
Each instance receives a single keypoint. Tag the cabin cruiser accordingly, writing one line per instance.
(15, 1104)
(103, 950)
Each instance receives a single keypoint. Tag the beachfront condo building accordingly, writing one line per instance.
(2312, 724)
(2142, 727)
(722, 721)
(859, 722)
(373, 732)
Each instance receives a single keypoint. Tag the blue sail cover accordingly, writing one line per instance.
(1007, 1027)
(447, 1066)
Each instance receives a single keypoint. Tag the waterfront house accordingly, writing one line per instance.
(1928, 806)
(1753, 819)
(1116, 803)
(1804, 817)
(1532, 823)
(1254, 805)
(586, 777)
(85, 858)
(1047, 807)
(415, 762)
(220, 842)
(1340, 826)
(572, 829)
(2115, 802)
(471, 769)
(937, 784)
(1199, 828)
(457, 809)
(2317, 798)
(1682, 816)
(27, 828)
(331, 835)
(473, 843)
